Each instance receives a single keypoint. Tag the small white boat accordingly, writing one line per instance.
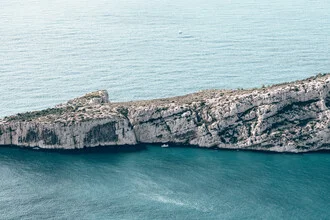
(164, 145)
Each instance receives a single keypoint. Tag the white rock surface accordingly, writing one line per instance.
(291, 117)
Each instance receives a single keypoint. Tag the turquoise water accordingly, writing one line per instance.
(51, 51)
(163, 183)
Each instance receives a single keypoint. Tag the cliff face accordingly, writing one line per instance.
(291, 117)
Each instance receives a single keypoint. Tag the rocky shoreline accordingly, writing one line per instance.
(290, 117)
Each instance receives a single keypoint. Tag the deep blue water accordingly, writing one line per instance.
(51, 51)
(163, 183)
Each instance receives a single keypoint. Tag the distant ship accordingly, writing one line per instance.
(164, 145)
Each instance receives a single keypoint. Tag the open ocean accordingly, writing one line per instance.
(52, 51)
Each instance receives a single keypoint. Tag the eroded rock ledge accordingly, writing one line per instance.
(290, 117)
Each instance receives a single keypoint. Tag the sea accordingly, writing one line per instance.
(52, 51)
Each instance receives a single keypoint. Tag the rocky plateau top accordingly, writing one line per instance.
(289, 117)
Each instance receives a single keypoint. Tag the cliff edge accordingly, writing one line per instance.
(290, 117)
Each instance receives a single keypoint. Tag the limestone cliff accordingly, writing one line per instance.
(290, 117)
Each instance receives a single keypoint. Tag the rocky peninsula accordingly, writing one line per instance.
(290, 117)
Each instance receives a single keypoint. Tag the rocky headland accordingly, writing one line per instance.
(290, 117)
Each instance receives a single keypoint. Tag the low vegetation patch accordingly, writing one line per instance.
(36, 114)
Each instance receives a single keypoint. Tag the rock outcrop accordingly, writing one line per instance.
(290, 117)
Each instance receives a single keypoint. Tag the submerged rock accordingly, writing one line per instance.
(290, 117)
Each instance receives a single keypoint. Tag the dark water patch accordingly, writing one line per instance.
(85, 150)
(215, 148)
(144, 147)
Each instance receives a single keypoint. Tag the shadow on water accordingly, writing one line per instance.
(58, 160)
(86, 150)
(144, 147)
(181, 146)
